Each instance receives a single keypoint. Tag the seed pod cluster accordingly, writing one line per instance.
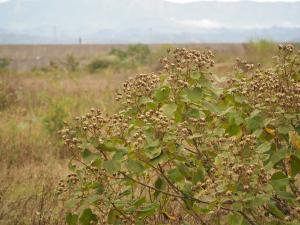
(156, 119)
(276, 89)
(136, 87)
(185, 61)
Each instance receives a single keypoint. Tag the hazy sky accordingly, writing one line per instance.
(184, 1)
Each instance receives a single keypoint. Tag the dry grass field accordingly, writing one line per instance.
(25, 57)
(45, 86)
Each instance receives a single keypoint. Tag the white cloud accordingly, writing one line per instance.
(213, 24)
(205, 23)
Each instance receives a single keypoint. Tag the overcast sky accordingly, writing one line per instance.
(185, 1)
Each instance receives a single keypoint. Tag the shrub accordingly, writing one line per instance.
(139, 53)
(8, 94)
(4, 63)
(54, 121)
(101, 63)
(122, 55)
(181, 150)
(260, 51)
(71, 63)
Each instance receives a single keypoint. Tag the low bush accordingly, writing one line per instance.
(101, 63)
(55, 118)
(139, 53)
(134, 56)
(260, 51)
(8, 94)
(4, 63)
(71, 63)
(182, 150)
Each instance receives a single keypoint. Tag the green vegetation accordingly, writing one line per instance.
(4, 63)
(135, 56)
(182, 150)
(163, 115)
(7, 94)
(71, 63)
(260, 51)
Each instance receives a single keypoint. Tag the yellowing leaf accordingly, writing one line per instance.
(270, 131)
(294, 140)
(168, 217)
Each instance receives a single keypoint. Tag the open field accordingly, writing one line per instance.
(45, 86)
(26, 57)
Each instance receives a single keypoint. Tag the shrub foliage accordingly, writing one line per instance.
(183, 149)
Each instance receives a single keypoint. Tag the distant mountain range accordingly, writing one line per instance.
(146, 21)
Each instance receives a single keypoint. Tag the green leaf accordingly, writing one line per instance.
(254, 123)
(109, 146)
(233, 130)
(147, 211)
(87, 217)
(169, 109)
(88, 156)
(184, 170)
(135, 166)
(295, 165)
(175, 175)
(71, 203)
(139, 202)
(195, 113)
(97, 186)
(285, 195)
(193, 95)
(264, 147)
(159, 184)
(119, 155)
(92, 198)
(275, 211)
(111, 166)
(235, 219)
(276, 157)
(279, 181)
(153, 153)
(71, 219)
(195, 75)
(112, 216)
(284, 129)
(199, 175)
(211, 107)
(162, 93)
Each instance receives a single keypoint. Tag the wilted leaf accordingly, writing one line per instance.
(270, 131)
(168, 216)
(294, 139)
